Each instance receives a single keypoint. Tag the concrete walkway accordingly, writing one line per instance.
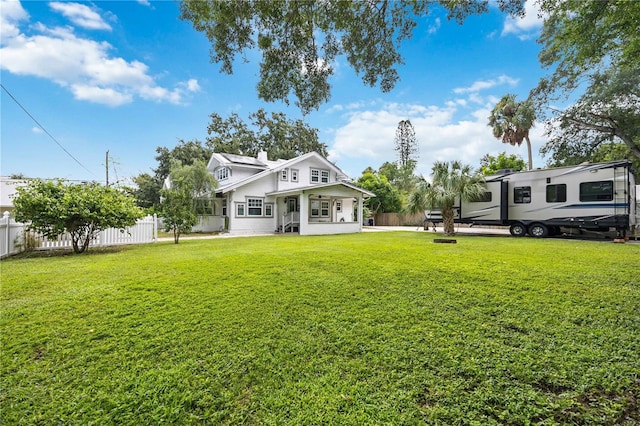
(459, 229)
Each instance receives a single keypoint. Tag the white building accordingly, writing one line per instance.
(307, 194)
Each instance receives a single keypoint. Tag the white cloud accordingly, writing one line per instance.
(81, 15)
(12, 14)
(525, 28)
(37, 130)
(84, 66)
(487, 84)
(144, 2)
(367, 138)
(434, 27)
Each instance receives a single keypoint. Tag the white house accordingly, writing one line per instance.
(307, 194)
(8, 191)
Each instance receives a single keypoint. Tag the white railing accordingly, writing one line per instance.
(12, 236)
(289, 219)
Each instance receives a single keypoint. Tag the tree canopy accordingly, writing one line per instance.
(83, 210)
(592, 49)
(490, 165)
(274, 133)
(406, 144)
(299, 41)
(511, 121)
(387, 199)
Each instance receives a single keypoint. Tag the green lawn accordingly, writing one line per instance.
(374, 328)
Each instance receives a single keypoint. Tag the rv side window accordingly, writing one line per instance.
(485, 197)
(557, 193)
(596, 191)
(522, 194)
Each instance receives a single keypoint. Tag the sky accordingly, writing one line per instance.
(84, 78)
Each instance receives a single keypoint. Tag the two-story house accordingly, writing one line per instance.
(307, 194)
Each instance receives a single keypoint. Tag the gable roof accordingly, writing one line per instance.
(278, 166)
(349, 185)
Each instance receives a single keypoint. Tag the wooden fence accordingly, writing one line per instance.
(398, 219)
(12, 236)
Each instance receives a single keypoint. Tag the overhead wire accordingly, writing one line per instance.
(45, 130)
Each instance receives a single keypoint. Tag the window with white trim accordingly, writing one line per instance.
(294, 175)
(254, 207)
(240, 207)
(338, 206)
(284, 174)
(268, 210)
(222, 173)
(319, 175)
(320, 208)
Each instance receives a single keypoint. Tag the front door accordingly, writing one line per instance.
(292, 204)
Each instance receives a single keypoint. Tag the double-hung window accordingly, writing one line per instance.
(294, 175)
(222, 173)
(284, 174)
(319, 176)
(254, 207)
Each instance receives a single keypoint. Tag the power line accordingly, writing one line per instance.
(45, 130)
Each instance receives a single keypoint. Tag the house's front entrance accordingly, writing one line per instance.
(290, 220)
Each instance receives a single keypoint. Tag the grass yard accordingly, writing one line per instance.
(374, 328)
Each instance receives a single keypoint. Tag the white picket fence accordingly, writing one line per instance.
(12, 236)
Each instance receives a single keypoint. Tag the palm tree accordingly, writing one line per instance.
(451, 182)
(511, 121)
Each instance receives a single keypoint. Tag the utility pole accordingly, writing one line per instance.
(107, 167)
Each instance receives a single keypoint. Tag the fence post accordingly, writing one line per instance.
(7, 220)
(155, 227)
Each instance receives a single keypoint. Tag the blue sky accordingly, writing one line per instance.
(129, 76)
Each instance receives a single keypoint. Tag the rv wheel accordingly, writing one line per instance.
(538, 230)
(517, 230)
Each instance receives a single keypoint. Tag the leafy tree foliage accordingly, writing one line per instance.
(511, 121)
(450, 181)
(405, 144)
(191, 189)
(300, 40)
(387, 199)
(490, 165)
(592, 48)
(274, 133)
(402, 177)
(148, 187)
(83, 210)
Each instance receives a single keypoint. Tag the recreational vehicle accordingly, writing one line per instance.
(595, 197)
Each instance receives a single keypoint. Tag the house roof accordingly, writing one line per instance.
(323, 185)
(275, 167)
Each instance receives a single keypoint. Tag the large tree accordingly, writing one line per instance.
(387, 199)
(592, 49)
(449, 182)
(511, 121)
(274, 133)
(406, 144)
(52, 208)
(148, 186)
(300, 41)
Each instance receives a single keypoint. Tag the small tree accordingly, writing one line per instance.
(450, 182)
(177, 212)
(191, 187)
(83, 210)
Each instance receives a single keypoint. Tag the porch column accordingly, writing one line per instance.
(304, 212)
(360, 208)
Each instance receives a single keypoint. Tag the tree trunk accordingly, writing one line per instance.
(526, 137)
(447, 221)
(176, 235)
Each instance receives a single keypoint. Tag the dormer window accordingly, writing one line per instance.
(284, 174)
(222, 173)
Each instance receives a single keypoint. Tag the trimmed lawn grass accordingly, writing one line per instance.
(374, 328)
